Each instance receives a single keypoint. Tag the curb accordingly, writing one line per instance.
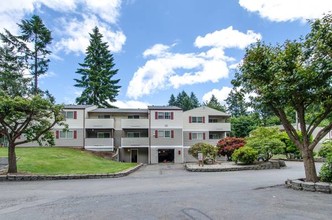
(263, 166)
(18, 177)
(299, 184)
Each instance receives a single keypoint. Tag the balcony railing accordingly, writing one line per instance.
(142, 141)
(134, 123)
(99, 123)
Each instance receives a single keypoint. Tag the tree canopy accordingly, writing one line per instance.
(97, 74)
(215, 104)
(184, 101)
(295, 75)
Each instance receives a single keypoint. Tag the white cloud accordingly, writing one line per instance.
(131, 104)
(220, 94)
(106, 9)
(285, 10)
(76, 38)
(165, 69)
(72, 31)
(227, 38)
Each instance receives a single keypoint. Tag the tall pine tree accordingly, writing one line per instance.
(34, 32)
(215, 104)
(97, 74)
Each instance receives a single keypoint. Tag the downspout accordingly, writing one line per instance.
(84, 131)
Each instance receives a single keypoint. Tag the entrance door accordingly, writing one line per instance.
(134, 156)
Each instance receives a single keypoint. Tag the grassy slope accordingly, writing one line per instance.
(52, 160)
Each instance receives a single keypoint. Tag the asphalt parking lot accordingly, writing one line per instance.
(167, 192)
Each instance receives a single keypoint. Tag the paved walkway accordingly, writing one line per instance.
(3, 163)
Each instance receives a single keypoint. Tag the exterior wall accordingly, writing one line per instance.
(166, 141)
(187, 157)
(75, 142)
(176, 122)
(117, 138)
(154, 155)
(142, 155)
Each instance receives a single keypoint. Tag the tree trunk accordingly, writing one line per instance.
(309, 165)
(12, 166)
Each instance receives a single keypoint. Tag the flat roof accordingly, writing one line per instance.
(119, 110)
(77, 106)
(154, 107)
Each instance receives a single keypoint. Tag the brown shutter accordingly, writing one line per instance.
(203, 136)
(172, 133)
(156, 115)
(189, 135)
(75, 114)
(57, 134)
(189, 119)
(75, 134)
(156, 133)
(172, 115)
(203, 119)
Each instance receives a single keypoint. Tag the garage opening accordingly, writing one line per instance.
(165, 155)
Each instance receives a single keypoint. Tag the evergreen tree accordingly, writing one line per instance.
(194, 100)
(172, 101)
(97, 74)
(12, 66)
(215, 104)
(34, 32)
(236, 105)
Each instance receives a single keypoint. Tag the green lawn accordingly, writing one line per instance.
(53, 160)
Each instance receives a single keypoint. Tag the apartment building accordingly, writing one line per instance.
(157, 134)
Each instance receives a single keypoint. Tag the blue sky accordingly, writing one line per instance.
(161, 47)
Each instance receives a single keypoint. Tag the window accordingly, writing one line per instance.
(66, 135)
(164, 133)
(164, 115)
(104, 116)
(133, 116)
(70, 114)
(103, 135)
(197, 120)
(213, 120)
(197, 136)
(133, 134)
(214, 136)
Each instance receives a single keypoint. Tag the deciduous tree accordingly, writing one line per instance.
(296, 75)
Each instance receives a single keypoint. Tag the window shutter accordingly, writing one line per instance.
(172, 133)
(189, 135)
(172, 115)
(156, 115)
(203, 136)
(156, 133)
(75, 114)
(203, 119)
(75, 134)
(189, 119)
(57, 134)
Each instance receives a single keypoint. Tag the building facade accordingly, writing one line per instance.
(157, 134)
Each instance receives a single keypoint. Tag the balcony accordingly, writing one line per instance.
(134, 123)
(219, 126)
(99, 142)
(99, 123)
(142, 141)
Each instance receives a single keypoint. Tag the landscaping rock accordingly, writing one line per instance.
(297, 184)
(308, 186)
(322, 187)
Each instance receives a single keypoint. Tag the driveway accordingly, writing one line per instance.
(167, 192)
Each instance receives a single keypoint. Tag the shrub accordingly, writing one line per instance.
(326, 170)
(209, 151)
(267, 141)
(326, 149)
(246, 155)
(228, 145)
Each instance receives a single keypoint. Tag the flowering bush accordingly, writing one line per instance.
(209, 151)
(228, 145)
